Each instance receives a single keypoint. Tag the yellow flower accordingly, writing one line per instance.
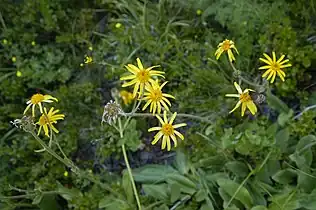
(245, 100)
(33, 43)
(156, 98)
(140, 76)
(4, 41)
(66, 173)
(274, 66)
(126, 96)
(13, 59)
(167, 131)
(226, 45)
(37, 99)
(118, 25)
(88, 59)
(90, 48)
(199, 12)
(47, 119)
(18, 73)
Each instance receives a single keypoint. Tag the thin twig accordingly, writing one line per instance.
(305, 110)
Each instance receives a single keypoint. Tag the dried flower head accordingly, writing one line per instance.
(26, 123)
(111, 112)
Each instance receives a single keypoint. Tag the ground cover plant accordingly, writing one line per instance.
(169, 104)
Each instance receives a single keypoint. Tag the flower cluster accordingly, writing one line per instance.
(273, 67)
(46, 119)
(147, 88)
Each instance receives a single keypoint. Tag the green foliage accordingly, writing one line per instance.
(265, 162)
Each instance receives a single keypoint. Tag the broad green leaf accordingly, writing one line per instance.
(285, 176)
(303, 155)
(306, 182)
(37, 199)
(231, 187)
(259, 208)
(282, 138)
(238, 168)
(284, 118)
(182, 163)
(175, 193)
(49, 202)
(276, 103)
(127, 185)
(288, 201)
(200, 195)
(185, 184)
(67, 193)
(159, 191)
(152, 173)
(110, 203)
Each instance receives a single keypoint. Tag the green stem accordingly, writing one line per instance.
(128, 167)
(69, 164)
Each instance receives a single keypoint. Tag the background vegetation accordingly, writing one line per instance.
(226, 162)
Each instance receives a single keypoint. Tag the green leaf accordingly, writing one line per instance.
(305, 182)
(127, 185)
(37, 199)
(182, 163)
(152, 173)
(238, 168)
(67, 193)
(282, 138)
(231, 187)
(306, 62)
(303, 155)
(287, 200)
(175, 193)
(185, 184)
(49, 202)
(284, 118)
(110, 203)
(276, 103)
(207, 206)
(285, 176)
(259, 208)
(158, 191)
(200, 195)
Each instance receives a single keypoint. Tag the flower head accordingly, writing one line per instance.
(156, 98)
(245, 100)
(226, 45)
(47, 119)
(126, 96)
(140, 76)
(37, 99)
(167, 131)
(88, 59)
(274, 66)
(111, 111)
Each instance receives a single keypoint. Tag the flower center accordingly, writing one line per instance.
(43, 120)
(37, 98)
(167, 129)
(156, 95)
(275, 67)
(244, 97)
(143, 76)
(226, 45)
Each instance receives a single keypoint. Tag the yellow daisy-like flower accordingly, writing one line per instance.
(156, 98)
(126, 96)
(140, 76)
(38, 99)
(88, 59)
(226, 45)
(167, 131)
(274, 66)
(245, 100)
(47, 119)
